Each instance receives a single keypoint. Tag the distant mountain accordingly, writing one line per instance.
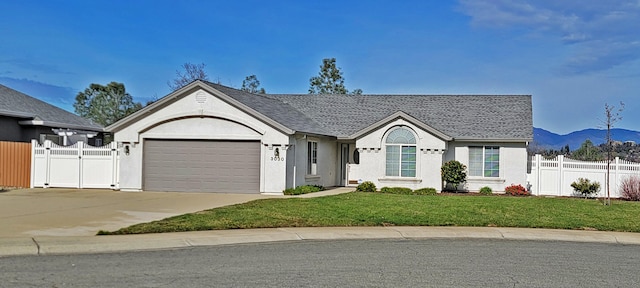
(544, 138)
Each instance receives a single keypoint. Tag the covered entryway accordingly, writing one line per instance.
(201, 166)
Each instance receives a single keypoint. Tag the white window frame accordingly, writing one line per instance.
(312, 157)
(483, 162)
(401, 147)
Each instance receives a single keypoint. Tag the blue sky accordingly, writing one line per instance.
(572, 56)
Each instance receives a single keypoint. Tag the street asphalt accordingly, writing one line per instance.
(31, 224)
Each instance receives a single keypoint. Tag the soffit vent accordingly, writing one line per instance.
(201, 97)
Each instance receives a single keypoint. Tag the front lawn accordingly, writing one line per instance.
(374, 209)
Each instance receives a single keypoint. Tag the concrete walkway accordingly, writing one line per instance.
(32, 221)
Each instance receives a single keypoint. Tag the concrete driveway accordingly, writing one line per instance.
(83, 212)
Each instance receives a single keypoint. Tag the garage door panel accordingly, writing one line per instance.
(202, 166)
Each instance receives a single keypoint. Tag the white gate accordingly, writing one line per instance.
(553, 177)
(77, 166)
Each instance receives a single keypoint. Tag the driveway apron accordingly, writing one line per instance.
(84, 212)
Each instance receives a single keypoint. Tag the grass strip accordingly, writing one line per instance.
(374, 209)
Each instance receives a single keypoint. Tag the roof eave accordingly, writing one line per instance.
(17, 114)
(60, 125)
(508, 140)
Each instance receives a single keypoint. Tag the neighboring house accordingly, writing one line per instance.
(211, 138)
(24, 118)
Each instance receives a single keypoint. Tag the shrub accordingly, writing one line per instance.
(630, 187)
(304, 189)
(516, 190)
(425, 191)
(453, 173)
(366, 186)
(585, 187)
(396, 190)
(486, 190)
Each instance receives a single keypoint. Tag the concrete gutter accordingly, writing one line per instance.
(48, 245)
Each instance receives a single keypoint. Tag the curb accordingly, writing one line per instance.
(122, 243)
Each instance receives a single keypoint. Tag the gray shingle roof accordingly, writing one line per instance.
(275, 109)
(16, 104)
(459, 116)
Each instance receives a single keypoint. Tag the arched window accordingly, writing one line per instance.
(401, 153)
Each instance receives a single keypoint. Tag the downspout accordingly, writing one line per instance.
(294, 166)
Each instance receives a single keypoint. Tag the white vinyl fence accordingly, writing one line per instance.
(77, 166)
(553, 177)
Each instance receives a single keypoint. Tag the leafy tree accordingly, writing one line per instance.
(587, 152)
(105, 104)
(191, 73)
(329, 80)
(453, 173)
(251, 84)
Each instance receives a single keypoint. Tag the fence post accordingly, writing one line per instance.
(33, 163)
(616, 173)
(560, 173)
(537, 173)
(47, 161)
(80, 145)
(114, 165)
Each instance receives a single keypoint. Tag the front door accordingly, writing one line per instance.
(344, 160)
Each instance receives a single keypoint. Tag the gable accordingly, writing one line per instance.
(196, 113)
(426, 140)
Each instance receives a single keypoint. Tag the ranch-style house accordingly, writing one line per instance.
(207, 137)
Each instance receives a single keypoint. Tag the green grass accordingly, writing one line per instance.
(374, 209)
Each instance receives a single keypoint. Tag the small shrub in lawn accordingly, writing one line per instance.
(396, 190)
(585, 188)
(366, 186)
(304, 189)
(486, 190)
(425, 191)
(630, 188)
(516, 190)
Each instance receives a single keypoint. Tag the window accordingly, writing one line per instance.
(401, 153)
(484, 161)
(312, 157)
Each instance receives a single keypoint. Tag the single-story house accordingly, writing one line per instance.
(212, 138)
(24, 118)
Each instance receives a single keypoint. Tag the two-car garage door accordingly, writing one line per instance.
(201, 166)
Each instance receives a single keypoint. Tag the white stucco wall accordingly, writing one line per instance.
(373, 157)
(215, 120)
(513, 164)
